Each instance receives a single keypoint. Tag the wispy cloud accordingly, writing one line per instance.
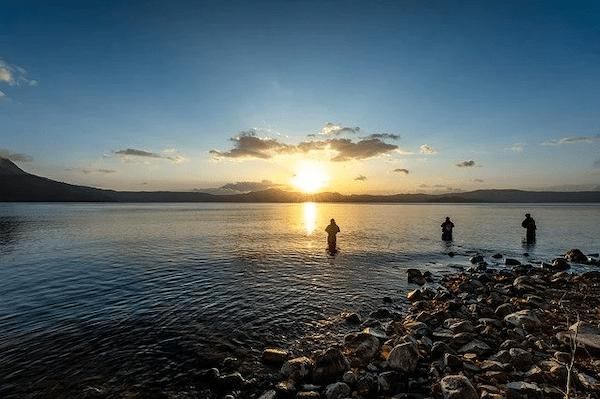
(337, 129)
(14, 76)
(248, 186)
(466, 164)
(248, 145)
(131, 155)
(426, 149)
(130, 152)
(361, 178)
(517, 147)
(574, 140)
(403, 171)
(383, 136)
(15, 157)
(92, 169)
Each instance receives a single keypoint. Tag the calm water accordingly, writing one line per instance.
(111, 281)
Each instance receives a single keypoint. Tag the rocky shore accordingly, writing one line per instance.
(519, 331)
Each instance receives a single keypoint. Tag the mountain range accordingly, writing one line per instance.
(17, 185)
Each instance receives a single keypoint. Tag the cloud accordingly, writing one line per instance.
(574, 140)
(248, 186)
(426, 149)
(466, 164)
(384, 136)
(435, 187)
(14, 75)
(15, 157)
(248, 145)
(477, 181)
(137, 153)
(90, 170)
(177, 159)
(130, 154)
(361, 178)
(337, 129)
(517, 147)
(405, 171)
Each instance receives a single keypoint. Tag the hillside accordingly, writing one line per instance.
(17, 185)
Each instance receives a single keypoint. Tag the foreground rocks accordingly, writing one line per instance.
(516, 332)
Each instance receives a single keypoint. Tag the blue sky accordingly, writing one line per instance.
(348, 96)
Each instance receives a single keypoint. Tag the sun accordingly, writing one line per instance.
(309, 178)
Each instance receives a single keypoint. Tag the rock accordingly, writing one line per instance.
(478, 347)
(524, 318)
(458, 386)
(497, 256)
(364, 345)
(286, 388)
(526, 388)
(277, 356)
(386, 381)
(417, 329)
(350, 378)
(298, 368)
(588, 382)
(520, 358)
(582, 333)
(462, 326)
(308, 395)
(511, 262)
(560, 264)
(337, 390)
(504, 310)
(439, 349)
(415, 295)
(352, 318)
(330, 365)
(575, 255)
(381, 313)
(476, 259)
(415, 276)
(272, 394)
(404, 357)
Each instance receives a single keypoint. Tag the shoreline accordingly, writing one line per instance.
(517, 332)
(499, 332)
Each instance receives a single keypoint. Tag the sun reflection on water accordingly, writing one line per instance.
(310, 217)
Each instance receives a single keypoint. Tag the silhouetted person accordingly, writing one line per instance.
(332, 230)
(529, 224)
(447, 227)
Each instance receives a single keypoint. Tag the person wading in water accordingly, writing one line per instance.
(529, 224)
(447, 227)
(332, 230)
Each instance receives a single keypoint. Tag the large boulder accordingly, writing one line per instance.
(404, 357)
(330, 365)
(524, 318)
(298, 368)
(364, 345)
(575, 255)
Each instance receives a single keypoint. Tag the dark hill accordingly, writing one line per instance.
(19, 186)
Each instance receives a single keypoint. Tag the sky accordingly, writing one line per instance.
(356, 97)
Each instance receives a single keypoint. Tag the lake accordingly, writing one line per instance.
(89, 288)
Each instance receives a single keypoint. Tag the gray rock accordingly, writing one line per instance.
(477, 347)
(524, 318)
(462, 326)
(298, 368)
(271, 394)
(458, 386)
(308, 395)
(232, 380)
(476, 259)
(330, 365)
(523, 387)
(364, 345)
(337, 390)
(511, 262)
(582, 333)
(404, 357)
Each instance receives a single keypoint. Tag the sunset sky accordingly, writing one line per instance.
(376, 97)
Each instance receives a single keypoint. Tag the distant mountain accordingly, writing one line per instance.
(17, 185)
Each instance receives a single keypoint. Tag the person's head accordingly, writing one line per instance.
(448, 218)
(332, 221)
(527, 215)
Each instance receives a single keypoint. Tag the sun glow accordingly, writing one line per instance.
(309, 178)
